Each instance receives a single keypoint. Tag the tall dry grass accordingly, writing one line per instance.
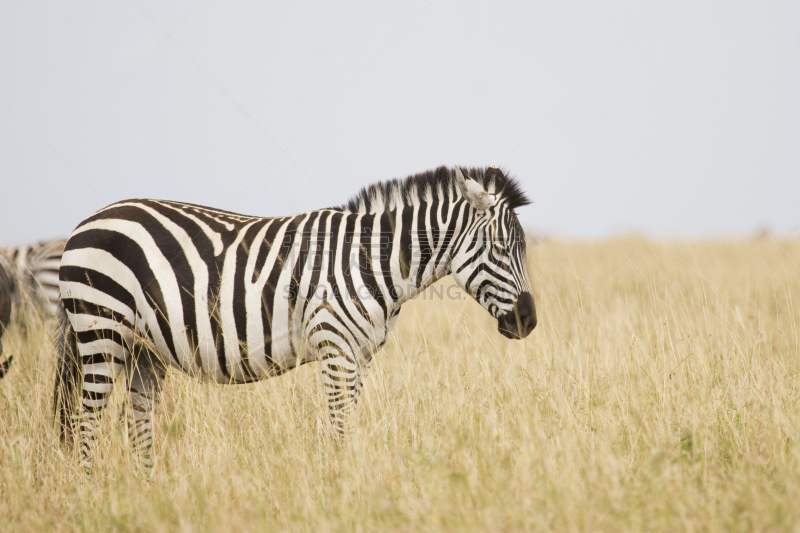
(659, 392)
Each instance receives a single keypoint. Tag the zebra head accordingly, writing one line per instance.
(489, 260)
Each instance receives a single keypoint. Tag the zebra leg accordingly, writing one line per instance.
(102, 360)
(145, 378)
(361, 376)
(340, 380)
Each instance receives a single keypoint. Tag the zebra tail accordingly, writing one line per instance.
(69, 377)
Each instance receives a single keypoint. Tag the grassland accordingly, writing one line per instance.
(659, 393)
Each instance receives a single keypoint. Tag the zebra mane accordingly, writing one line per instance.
(433, 185)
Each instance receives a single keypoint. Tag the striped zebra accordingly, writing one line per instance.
(149, 284)
(37, 271)
(30, 285)
(8, 296)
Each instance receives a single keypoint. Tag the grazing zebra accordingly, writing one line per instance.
(8, 297)
(30, 276)
(37, 270)
(148, 284)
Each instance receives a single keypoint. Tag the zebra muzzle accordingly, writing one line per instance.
(520, 321)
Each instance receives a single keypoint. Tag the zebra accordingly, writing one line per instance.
(8, 303)
(37, 271)
(152, 284)
(30, 286)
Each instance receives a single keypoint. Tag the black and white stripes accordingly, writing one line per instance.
(37, 271)
(29, 287)
(148, 284)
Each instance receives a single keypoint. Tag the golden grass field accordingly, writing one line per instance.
(659, 392)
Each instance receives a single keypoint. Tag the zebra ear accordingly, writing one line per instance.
(475, 194)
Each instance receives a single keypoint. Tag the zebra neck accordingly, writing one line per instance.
(422, 239)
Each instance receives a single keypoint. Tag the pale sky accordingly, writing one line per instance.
(675, 118)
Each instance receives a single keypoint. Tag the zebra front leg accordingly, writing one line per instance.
(341, 383)
(145, 378)
(363, 372)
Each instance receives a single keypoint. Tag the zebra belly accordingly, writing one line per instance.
(246, 365)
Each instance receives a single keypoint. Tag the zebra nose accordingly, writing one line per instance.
(525, 311)
(519, 323)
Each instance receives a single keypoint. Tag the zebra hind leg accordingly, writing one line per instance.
(102, 361)
(145, 374)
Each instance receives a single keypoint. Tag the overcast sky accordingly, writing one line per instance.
(672, 118)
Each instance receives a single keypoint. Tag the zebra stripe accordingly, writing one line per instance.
(149, 284)
(37, 271)
(28, 274)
